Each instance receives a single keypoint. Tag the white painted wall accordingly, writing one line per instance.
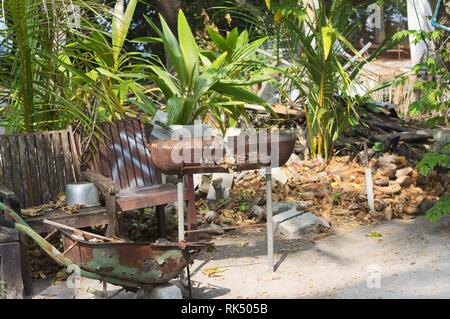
(418, 13)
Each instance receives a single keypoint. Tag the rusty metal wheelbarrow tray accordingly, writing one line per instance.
(144, 263)
(131, 265)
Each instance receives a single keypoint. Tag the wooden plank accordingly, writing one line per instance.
(154, 175)
(158, 195)
(145, 169)
(112, 228)
(59, 160)
(62, 226)
(7, 178)
(135, 150)
(83, 155)
(115, 149)
(51, 165)
(92, 216)
(127, 153)
(75, 152)
(408, 137)
(69, 172)
(35, 180)
(43, 157)
(108, 158)
(104, 159)
(16, 171)
(105, 184)
(24, 164)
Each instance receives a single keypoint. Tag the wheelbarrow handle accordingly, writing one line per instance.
(7, 223)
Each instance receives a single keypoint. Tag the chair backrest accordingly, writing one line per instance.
(122, 154)
(38, 166)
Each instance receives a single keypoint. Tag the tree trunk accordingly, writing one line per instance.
(201, 4)
(169, 10)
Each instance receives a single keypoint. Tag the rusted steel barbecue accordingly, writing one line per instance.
(246, 153)
(127, 264)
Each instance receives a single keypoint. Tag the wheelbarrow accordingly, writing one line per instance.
(128, 264)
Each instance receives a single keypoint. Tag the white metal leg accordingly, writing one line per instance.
(180, 210)
(269, 220)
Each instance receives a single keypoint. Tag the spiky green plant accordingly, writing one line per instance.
(196, 75)
(54, 73)
(315, 41)
(102, 73)
(32, 82)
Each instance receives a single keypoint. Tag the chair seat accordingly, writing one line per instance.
(86, 217)
(148, 196)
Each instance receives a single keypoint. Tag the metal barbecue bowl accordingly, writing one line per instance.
(162, 151)
(85, 194)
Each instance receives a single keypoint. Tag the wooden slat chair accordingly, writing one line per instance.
(122, 156)
(34, 169)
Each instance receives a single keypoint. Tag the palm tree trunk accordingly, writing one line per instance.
(169, 10)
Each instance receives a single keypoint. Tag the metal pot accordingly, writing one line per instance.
(85, 194)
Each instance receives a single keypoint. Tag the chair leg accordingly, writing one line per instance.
(161, 220)
(25, 268)
(112, 228)
(10, 271)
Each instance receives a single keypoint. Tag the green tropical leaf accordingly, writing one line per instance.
(175, 110)
(166, 81)
(188, 45)
(218, 39)
(328, 37)
(239, 94)
(121, 24)
(173, 50)
(147, 40)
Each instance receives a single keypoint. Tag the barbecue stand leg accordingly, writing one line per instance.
(180, 211)
(269, 219)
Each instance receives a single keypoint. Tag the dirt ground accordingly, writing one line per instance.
(410, 260)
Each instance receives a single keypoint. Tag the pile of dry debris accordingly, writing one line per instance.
(335, 191)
